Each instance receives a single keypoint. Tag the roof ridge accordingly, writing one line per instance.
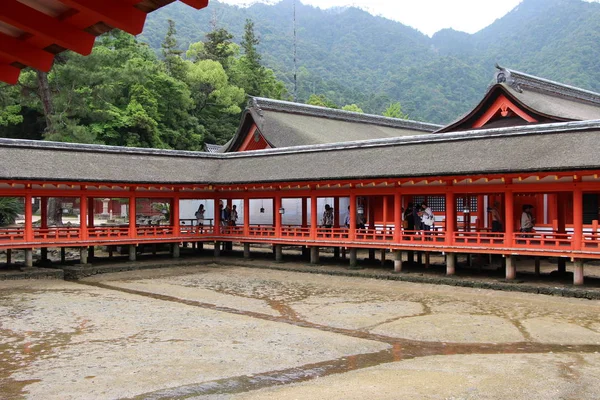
(263, 103)
(519, 80)
(101, 148)
(402, 140)
(522, 130)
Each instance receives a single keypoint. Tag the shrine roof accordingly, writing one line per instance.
(286, 124)
(547, 100)
(569, 146)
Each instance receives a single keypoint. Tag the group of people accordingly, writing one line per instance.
(415, 217)
(228, 215)
(418, 217)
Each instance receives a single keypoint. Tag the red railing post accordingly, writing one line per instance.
(175, 214)
(277, 207)
(450, 217)
(397, 217)
(83, 203)
(246, 216)
(28, 218)
(313, 217)
(352, 233)
(132, 214)
(577, 218)
(509, 218)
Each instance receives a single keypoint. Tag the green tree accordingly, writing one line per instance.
(321, 101)
(395, 111)
(10, 110)
(10, 207)
(172, 54)
(353, 108)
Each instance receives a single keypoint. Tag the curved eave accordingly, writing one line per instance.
(492, 94)
(32, 32)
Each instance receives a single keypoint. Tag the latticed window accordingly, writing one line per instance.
(460, 204)
(436, 203)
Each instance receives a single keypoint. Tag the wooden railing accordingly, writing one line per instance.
(108, 232)
(194, 231)
(154, 231)
(56, 233)
(591, 241)
(261, 231)
(10, 235)
(295, 232)
(479, 239)
(386, 237)
(537, 240)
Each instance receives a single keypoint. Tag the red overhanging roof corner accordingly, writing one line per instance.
(33, 31)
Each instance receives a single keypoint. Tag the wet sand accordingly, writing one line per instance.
(223, 332)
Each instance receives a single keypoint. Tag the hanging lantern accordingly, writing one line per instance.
(282, 211)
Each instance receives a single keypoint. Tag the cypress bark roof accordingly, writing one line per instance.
(286, 124)
(547, 100)
(567, 146)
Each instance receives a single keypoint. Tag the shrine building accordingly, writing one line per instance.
(529, 142)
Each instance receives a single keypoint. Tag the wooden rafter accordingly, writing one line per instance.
(33, 31)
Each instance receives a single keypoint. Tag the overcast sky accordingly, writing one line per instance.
(428, 16)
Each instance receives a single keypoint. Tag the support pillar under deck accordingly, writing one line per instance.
(217, 251)
(314, 255)
(450, 264)
(511, 268)
(83, 255)
(353, 259)
(397, 261)
(175, 251)
(132, 252)
(29, 258)
(278, 253)
(246, 250)
(578, 273)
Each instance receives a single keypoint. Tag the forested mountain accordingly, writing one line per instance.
(350, 56)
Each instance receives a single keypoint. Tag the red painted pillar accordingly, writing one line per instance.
(509, 221)
(44, 212)
(304, 212)
(385, 212)
(397, 217)
(217, 216)
(450, 217)
(336, 212)
(480, 213)
(314, 221)
(246, 216)
(91, 211)
(352, 233)
(175, 214)
(277, 221)
(28, 218)
(577, 218)
(132, 214)
(83, 231)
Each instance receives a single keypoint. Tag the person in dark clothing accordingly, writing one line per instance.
(409, 217)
